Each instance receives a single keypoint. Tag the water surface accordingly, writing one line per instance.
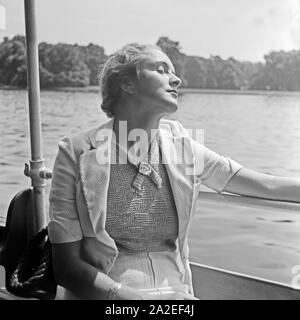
(261, 131)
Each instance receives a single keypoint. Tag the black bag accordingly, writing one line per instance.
(33, 277)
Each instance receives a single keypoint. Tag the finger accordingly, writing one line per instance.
(192, 298)
(185, 296)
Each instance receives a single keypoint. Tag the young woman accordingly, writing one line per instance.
(123, 194)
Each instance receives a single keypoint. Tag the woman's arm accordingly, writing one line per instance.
(255, 184)
(81, 278)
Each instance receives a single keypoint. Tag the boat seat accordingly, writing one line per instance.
(19, 228)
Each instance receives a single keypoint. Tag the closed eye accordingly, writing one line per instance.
(161, 69)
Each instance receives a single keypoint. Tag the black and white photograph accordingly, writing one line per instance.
(150, 150)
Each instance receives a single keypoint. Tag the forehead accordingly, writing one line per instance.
(153, 56)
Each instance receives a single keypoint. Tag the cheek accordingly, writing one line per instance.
(150, 82)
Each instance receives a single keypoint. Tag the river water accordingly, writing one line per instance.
(259, 130)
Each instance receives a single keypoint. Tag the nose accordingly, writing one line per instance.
(175, 81)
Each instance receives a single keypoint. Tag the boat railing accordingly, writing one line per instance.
(250, 202)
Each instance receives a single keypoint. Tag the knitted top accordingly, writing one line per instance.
(141, 212)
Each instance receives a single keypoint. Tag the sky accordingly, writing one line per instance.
(243, 29)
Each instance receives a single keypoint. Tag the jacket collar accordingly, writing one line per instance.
(95, 135)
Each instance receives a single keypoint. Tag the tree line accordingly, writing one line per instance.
(65, 65)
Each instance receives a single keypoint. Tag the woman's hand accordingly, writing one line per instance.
(128, 293)
(184, 296)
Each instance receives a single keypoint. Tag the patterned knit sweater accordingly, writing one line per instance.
(141, 212)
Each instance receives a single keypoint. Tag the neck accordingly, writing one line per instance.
(132, 116)
(125, 126)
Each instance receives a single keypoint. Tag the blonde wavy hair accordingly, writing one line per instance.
(118, 68)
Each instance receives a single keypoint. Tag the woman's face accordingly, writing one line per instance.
(157, 85)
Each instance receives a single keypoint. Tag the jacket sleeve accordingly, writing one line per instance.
(64, 225)
(214, 170)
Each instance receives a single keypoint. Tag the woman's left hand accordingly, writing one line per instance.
(185, 296)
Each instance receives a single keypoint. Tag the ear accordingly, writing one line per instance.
(127, 86)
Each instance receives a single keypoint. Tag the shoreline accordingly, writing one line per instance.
(95, 89)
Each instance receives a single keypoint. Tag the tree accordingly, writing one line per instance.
(195, 72)
(282, 70)
(94, 58)
(73, 65)
(62, 65)
(13, 62)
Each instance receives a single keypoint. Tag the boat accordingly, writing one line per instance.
(210, 283)
(27, 213)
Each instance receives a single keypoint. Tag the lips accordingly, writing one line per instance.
(174, 92)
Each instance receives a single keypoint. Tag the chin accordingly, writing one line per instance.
(168, 107)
